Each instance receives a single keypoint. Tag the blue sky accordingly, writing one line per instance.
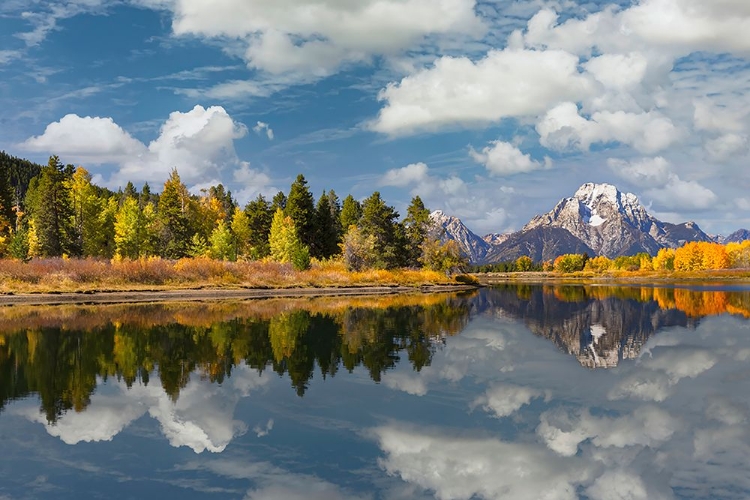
(490, 110)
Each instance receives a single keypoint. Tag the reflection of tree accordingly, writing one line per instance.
(62, 365)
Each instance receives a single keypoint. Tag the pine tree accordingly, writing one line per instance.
(416, 227)
(351, 212)
(379, 220)
(300, 206)
(259, 218)
(326, 240)
(48, 201)
(278, 201)
(335, 205)
(175, 229)
(7, 216)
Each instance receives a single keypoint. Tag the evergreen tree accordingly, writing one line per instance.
(351, 212)
(416, 227)
(259, 218)
(224, 199)
(300, 206)
(335, 204)
(48, 201)
(7, 215)
(175, 229)
(278, 201)
(129, 192)
(326, 240)
(379, 220)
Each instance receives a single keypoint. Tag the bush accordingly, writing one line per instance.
(301, 258)
(467, 279)
(570, 263)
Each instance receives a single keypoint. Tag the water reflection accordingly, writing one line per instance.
(66, 350)
(476, 399)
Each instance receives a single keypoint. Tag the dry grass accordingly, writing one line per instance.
(81, 275)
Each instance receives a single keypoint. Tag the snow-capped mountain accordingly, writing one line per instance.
(598, 219)
(472, 246)
(613, 223)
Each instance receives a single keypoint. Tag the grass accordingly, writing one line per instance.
(91, 275)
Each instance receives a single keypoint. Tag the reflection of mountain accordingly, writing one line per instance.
(62, 364)
(599, 332)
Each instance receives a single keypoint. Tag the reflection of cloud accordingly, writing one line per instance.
(410, 384)
(647, 426)
(463, 467)
(201, 419)
(263, 431)
(505, 399)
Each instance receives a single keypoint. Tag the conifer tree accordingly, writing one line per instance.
(300, 206)
(416, 227)
(351, 212)
(259, 218)
(175, 231)
(326, 240)
(48, 201)
(379, 220)
(278, 201)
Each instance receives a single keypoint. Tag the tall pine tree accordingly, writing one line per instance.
(300, 207)
(48, 201)
(416, 227)
(259, 217)
(380, 221)
(351, 212)
(326, 239)
(174, 207)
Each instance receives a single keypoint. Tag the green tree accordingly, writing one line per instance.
(416, 227)
(524, 264)
(48, 201)
(379, 220)
(259, 216)
(89, 217)
(442, 256)
(351, 212)
(278, 201)
(283, 237)
(175, 228)
(326, 240)
(300, 206)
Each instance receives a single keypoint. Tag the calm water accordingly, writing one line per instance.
(511, 392)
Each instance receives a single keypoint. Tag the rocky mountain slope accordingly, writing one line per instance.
(736, 237)
(598, 219)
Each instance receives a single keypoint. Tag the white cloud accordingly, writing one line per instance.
(563, 128)
(7, 56)
(316, 37)
(260, 127)
(502, 158)
(457, 91)
(263, 431)
(402, 177)
(727, 147)
(410, 384)
(646, 172)
(87, 139)
(199, 143)
(679, 194)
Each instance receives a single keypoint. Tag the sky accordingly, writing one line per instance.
(489, 110)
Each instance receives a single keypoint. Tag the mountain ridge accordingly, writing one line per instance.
(598, 219)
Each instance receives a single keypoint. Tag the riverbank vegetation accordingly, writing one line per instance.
(692, 260)
(59, 231)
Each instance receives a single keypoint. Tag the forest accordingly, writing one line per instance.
(56, 211)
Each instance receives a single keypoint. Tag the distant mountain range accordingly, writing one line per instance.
(598, 219)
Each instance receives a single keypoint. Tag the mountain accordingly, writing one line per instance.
(598, 219)
(736, 237)
(471, 245)
(613, 223)
(540, 243)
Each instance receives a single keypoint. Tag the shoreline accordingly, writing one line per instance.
(545, 278)
(213, 294)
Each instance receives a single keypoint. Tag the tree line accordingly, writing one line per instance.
(56, 210)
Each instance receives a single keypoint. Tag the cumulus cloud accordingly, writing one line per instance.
(90, 139)
(410, 384)
(563, 128)
(402, 177)
(727, 146)
(263, 431)
(261, 127)
(199, 143)
(316, 37)
(459, 91)
(502, 158)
